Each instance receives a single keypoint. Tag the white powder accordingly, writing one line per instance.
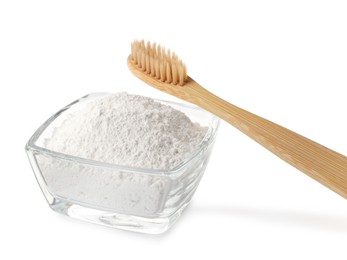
(127, 130)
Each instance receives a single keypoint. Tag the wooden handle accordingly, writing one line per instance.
(321, 163)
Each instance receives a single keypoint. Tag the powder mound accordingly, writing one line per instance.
(129, 130)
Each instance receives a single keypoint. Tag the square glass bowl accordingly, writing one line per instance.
(136, 199)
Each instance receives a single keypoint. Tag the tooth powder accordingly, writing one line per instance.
(122, 129)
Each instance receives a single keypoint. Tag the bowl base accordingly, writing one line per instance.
(116, 220)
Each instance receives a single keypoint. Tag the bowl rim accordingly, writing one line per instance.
(203, 145)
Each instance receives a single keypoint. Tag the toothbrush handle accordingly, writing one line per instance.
(320, 163)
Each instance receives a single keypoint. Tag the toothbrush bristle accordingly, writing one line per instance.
(158, 62)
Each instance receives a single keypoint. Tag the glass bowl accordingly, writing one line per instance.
(137, 199)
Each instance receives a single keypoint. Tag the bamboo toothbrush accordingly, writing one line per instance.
(166, 72)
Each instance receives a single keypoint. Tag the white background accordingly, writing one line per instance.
(283, 60)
